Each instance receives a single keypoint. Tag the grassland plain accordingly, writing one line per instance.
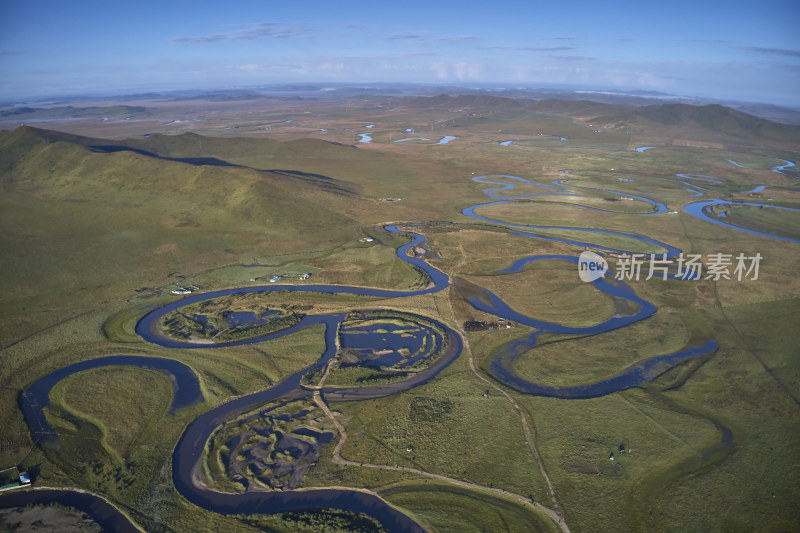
(700, 322)
(558, 298)
(452, 430)
(447, 507)
(123, 423)
(87, 229)
(690, 309)
(767, 220)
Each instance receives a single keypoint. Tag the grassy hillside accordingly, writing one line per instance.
(578, 108)
(82, 227)
(708, 122)
(193, 145)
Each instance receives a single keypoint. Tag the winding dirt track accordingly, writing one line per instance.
(529, 438)
(337, 458)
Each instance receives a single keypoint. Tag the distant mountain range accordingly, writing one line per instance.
(674, 120)
(64, 112)
(713, 117)
(774, 113)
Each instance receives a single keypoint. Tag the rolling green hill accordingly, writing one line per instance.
(712, 123)
(78, 221)
(470, 104)
(194, 145)
(573, 108)
(687, 121)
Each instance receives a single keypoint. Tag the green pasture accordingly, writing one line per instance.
(140, 399)
(554, 294)
(374, 266)
(577, 437)
(449, 507)
(766, 330)
(781, 222)
(451, 428)
(561, 360)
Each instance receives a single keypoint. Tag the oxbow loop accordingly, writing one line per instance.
(591, 266)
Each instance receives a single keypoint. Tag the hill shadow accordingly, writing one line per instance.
(320, 180)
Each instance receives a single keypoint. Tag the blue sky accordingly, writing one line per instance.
(743, 50)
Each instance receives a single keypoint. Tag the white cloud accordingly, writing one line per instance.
(468, 71)
(440, 69)
(262, 30)
(457, 71)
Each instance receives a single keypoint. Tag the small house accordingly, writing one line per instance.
(182, 290)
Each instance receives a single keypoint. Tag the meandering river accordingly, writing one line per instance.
(698, 210)
(189, 450)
